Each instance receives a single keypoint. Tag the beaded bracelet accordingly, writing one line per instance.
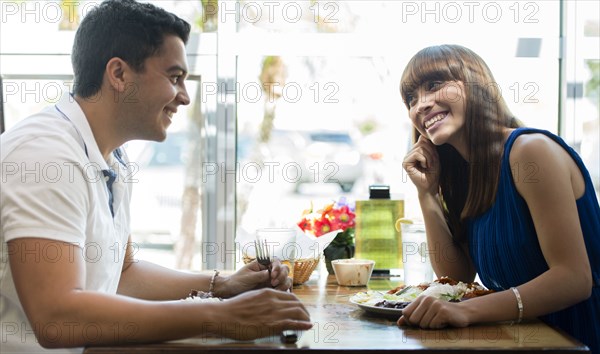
(519, 305)
(211, 287)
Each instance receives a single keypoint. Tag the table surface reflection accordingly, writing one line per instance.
(340, 325)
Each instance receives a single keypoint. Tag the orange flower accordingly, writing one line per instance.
(305, 224)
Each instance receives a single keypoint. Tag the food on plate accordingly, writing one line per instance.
(201, 296)
(444, 288)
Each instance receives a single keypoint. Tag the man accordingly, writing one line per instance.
(68, 278)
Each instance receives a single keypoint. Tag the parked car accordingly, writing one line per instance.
(319, 157)
(158, 189)
(322, 156)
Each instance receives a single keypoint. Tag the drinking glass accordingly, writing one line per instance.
(417, 266)
(280, 243)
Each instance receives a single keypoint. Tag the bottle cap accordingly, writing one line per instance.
(379, 191)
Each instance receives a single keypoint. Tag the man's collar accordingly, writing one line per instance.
(74, 113)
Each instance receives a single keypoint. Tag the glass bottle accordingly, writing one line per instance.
(376, 235)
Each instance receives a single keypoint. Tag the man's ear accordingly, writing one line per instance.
(115, 73)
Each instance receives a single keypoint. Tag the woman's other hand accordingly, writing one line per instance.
(429, 312)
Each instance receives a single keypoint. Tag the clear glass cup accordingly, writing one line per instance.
(280, 243)
(415, 255)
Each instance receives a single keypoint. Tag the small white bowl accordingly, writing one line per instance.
(353, 272)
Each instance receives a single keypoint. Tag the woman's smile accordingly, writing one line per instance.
(431, 120)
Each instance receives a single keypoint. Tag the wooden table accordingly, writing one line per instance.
(342, 326)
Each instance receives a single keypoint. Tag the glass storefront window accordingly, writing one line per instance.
(338, 93)
(342, 76)
(581, 118)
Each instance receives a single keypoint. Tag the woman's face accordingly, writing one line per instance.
(437, 110)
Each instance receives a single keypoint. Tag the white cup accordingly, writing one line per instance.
(353, 272)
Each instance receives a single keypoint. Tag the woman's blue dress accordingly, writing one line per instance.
(506, 252)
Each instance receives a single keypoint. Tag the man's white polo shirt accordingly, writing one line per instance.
(53, 188)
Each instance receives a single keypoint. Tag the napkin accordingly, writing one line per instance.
(307, 245)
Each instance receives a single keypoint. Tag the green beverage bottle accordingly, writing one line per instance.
(376, 235)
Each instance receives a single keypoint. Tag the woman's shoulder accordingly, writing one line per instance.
(534, 145)
(543, 158)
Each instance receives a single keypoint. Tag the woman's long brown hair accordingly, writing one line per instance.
(467, 188)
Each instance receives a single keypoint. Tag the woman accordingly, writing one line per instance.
(512, 204)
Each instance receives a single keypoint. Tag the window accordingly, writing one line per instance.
(337, 67)
(581, 93)
(297, 102)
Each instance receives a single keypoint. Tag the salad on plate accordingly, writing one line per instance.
(394, 300)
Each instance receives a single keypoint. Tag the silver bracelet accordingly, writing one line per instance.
(211, 287)
(519, 304)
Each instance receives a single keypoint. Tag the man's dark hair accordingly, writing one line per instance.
(125, 29)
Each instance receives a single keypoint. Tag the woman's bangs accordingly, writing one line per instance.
(426, 66)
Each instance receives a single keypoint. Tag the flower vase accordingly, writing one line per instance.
(333, 252)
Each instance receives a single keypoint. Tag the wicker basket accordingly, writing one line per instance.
(303, 268)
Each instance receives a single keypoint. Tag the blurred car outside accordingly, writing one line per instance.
(322, 156)
(156, 204)
(157, 192)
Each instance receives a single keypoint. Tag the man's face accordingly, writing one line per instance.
(156, 92)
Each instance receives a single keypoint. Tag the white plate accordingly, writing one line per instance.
(379, 310)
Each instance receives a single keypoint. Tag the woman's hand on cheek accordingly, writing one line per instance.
(422, 165)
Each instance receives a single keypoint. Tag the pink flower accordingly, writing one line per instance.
(342, 218)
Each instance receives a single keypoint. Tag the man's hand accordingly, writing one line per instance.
(262, 313)
(254, 276)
